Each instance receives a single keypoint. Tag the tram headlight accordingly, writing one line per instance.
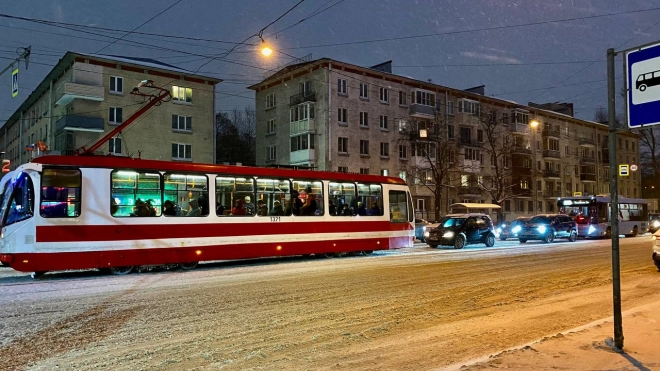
(591, 229)
(541, 229)
(448, 234)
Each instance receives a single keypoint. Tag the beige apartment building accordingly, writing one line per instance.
(86, 96)
(336, 116)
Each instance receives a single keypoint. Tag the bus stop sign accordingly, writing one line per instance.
(643, 83)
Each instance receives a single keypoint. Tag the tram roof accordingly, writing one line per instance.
(116, 162)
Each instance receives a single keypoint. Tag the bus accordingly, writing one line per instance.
(645, 80)
(592, 214)
(115, 214)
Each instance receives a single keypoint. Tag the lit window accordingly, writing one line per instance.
(181, 94)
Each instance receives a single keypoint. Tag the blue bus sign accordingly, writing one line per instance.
(643, 83)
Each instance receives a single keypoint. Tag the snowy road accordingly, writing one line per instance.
(419, 308)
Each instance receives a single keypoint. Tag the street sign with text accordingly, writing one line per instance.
(624, 170)
(643, 85)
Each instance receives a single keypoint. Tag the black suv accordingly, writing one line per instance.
(459, 230)
(547, 227)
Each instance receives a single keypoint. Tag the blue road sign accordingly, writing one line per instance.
(643, 71)
(14, 83)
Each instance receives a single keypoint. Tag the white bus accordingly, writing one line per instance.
(592, 214)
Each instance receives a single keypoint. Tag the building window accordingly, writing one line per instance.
(402, 123)
(480, 136)
(403, 152)
(342, 145)
(342, 114)
(450, 108)
(424, 98)
(384, 172)
(403, 98)
(403, 175)
(115, 115)
(450, 132)
(116, 84)
(182, 123)
(181, 151)
(383, 122)
(384, 149)
(302, 142)
(384, 96)
(364, 90)
(115, 145)
(271, 127)
(469, 106)
(364, 147)
(341, 86)
(342, 169)
(520, 117)
(364, 170)
(364, 119)
(270, 101)
(181, 94)
(271, 153)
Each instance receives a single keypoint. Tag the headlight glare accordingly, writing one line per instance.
(541, 229)
(448, 234)
(516, 229)
(591, 229)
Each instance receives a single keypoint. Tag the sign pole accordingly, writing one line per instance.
(614, 198)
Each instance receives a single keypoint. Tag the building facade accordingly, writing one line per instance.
(85, 96)
(336, 116)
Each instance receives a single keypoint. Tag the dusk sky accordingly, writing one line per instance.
(524, 50)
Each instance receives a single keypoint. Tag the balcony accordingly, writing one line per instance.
(550, 133)
(551, 154)
(521, 192)
(587, 142)
(587, 160)
(302, 98)
(521, 150)
(469, 142)
(422, 111)
(587, 177)
(301, 126)
(551, 174)
(518, 128)
(302, 157)
(469, 191)
(551, 194)
(422, 162)
(69, 91)
(80, 123)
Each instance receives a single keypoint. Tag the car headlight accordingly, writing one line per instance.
(499, 230)
(591, 229)
(426, 233)
(516, 229)
(541, 229)
(448, 234)
(656, 223)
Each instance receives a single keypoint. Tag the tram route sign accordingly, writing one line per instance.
(643, 86)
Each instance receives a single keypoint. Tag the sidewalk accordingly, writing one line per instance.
(585, 348)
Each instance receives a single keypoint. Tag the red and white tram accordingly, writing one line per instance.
(114, 213)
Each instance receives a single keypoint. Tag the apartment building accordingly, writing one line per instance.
(332, 115)
(85, 96)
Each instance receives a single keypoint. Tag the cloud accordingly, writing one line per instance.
(490, 57)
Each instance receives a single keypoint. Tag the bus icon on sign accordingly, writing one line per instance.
(647, 79)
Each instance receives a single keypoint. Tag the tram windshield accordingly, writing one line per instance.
(17, 199)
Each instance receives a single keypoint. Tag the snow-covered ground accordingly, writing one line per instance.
(411, 309)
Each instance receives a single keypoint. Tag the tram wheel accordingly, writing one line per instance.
(328, 255)
(188, 266)
(120, 271)
(367, 252)
(37, 275)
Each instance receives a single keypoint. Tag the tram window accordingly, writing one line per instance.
(135, 193)
(21, 203)
(273, 197)
(185, 194)
(310, 193)
(60, 193)
(342, 199)
(371, 198)
(235, 196)
(398, 207)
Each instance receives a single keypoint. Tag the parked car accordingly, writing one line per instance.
(511, 229)
(656, 249)
(654, 222)
(459, 230)
(420, 228)
(547, 227)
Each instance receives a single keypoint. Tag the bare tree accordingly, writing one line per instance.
(236, 134)
(650, 164)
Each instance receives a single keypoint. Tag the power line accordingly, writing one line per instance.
(491, 64)
(312, 15)
(149, 20)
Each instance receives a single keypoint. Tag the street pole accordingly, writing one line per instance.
(614, 197)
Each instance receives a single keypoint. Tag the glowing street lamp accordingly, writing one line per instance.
(534, 124)
(265, 50)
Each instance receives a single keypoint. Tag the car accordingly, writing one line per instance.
(511, 230)
(459, 230)
(654, 222)
(656, 249)
(547, 227)
(420, 228)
